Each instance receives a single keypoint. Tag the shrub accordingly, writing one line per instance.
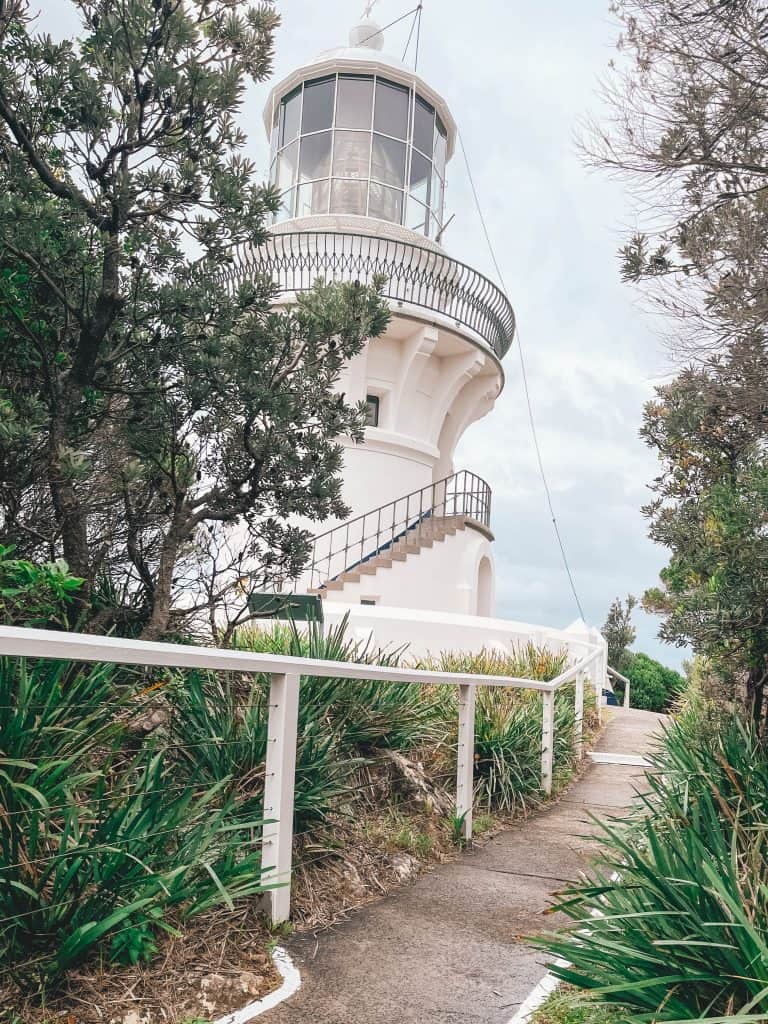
(35, 595)
(674, 924)
(95, 840)
(508, 722)
(654, 687)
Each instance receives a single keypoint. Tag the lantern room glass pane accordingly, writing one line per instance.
(287, 166)
(354, 102)
(385, 203)
(421, 174)
(388, 161)
(290, 110)
(441, 146)
(317, 110)
(391, 114)
(423, 127)
(312, 199)
(315, 160)
(351, 154)
(349, 197)
(286, 206)
(416, 216)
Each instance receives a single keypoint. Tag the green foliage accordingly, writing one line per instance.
(508, 722)
(97, 843)
(654, 687)
(568, 1006)
(35, 595)
(619, 632)
(711, 509)
(674, 923)
(152, 397)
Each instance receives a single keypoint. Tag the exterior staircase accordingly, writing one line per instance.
(398, 531)
(426, 534)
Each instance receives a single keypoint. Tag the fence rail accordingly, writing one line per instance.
(285, 673)
(413, 274)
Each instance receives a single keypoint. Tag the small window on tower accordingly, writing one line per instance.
(372, 415)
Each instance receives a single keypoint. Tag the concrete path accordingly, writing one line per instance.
(447, 947)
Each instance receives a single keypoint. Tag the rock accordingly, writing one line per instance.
(352, 880)
(404, 866)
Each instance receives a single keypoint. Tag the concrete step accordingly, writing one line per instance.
(426, 535)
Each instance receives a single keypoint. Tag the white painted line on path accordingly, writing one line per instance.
(636, 760)
(538, 995)
(291, 984)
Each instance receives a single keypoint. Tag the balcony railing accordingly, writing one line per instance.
(414, 274)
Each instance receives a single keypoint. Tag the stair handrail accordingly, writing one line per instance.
(463, 493)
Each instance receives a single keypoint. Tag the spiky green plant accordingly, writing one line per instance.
(94, 839)
(674, 923)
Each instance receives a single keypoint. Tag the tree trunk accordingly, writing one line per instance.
(163, 588)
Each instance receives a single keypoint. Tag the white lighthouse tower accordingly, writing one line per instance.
(360, 145)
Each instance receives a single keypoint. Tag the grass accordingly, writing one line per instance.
(568, 1006)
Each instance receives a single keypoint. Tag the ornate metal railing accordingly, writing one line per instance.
(358, 540)
(414, 274)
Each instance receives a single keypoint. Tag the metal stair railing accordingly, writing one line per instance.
(356, 541)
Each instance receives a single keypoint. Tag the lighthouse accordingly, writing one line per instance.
(360, 149)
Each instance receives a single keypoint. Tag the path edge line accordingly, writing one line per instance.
(289, 972)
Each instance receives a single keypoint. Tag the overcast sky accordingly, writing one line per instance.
(518, 78)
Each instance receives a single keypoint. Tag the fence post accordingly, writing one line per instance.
(465, 758)
(277, 844)
(547, 739)
(578, 725)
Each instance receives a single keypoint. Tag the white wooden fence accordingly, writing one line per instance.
(285, 673)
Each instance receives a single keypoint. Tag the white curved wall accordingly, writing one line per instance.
(441, 578)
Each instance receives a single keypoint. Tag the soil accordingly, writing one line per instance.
(219, 963)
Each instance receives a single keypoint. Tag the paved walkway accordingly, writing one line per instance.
(447, 947)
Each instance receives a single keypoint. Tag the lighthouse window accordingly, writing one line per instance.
(286, 166)
(315, 159)
(349, 197)
(440, 147)
(317, 111)
(372, 410)
(388, 161)
(423, 127)
(421, 172)
(352, 155)
(417, 217)
(354, 105)
(385, 203)
(391, 115)
(290, 111)
(313, 198)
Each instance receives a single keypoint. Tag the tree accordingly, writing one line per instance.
(151, 396)
(711, 511)
(619, 632)
(687, 125)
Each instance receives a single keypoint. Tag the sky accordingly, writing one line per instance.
(519, 78)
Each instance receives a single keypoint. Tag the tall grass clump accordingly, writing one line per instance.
(508, 721)
(674, 923)
(101, 841)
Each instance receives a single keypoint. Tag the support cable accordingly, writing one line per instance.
(526, 389)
